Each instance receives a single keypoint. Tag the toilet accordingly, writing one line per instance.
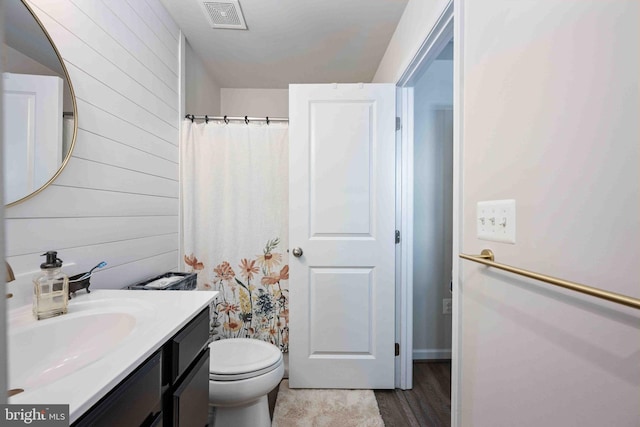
(242, 371)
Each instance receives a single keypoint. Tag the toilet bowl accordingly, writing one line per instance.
(242, 372)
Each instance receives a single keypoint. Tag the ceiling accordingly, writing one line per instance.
(292, 41)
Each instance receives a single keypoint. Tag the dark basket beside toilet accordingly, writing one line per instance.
(187, 282)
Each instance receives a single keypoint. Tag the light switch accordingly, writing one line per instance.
(496, 220)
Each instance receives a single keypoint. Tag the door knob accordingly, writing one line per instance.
(297, 252)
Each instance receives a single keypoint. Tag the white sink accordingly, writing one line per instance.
(44, 351)
(47, 352)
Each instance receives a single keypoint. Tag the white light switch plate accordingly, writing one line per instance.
(496, 220)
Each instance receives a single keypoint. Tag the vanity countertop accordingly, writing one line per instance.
(104, 337)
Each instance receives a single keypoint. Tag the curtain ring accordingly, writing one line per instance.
(246, 120)
(206, 119)
(192, 117)
(226, 120)
(267, 119)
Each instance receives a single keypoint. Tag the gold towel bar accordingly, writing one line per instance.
(486, 257)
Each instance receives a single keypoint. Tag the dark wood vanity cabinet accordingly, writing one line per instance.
(171, 388)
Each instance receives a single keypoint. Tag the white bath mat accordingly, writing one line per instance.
(325, 408)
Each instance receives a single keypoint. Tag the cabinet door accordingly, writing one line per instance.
(191, 398)
(132, 403)
(188, 343)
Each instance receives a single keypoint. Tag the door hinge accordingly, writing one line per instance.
(397, 236)
(398, 123)
(397, 349)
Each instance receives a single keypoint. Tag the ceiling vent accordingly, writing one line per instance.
(224, 14)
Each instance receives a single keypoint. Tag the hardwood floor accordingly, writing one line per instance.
(428, 404)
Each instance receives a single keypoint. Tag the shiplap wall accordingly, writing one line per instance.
(117, 199)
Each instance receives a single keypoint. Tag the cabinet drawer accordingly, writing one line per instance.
(187, 344)
(191, 397)
(134, 402)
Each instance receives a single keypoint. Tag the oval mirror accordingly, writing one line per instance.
(39, 107)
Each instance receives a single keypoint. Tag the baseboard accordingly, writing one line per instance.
(431, 354)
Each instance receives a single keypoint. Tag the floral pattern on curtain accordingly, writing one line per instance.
(254, 299)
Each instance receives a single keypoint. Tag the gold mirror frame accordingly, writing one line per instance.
(75, 113)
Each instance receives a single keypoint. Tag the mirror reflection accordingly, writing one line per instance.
(38, 109)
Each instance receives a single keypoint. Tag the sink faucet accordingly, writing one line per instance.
(10, 277)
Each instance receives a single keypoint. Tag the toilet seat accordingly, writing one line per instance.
(244, 375)
(242, 358)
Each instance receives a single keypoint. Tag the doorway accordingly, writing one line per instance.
(433, 208)
(428, 208)
(427, 254)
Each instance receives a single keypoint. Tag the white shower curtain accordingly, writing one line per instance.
(235, 224)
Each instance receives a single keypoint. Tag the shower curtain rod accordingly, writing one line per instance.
(245, 119)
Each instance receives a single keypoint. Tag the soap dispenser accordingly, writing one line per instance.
(51, 288)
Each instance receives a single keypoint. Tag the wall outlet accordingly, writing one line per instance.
(446, 306)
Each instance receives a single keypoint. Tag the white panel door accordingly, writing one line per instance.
(341, 214)
(32, 131)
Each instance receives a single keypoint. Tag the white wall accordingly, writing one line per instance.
(433, 175)
(255, 102)
(117, 199)
(551, 107)
(15, 61)
(418, 18)
(202, 90)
